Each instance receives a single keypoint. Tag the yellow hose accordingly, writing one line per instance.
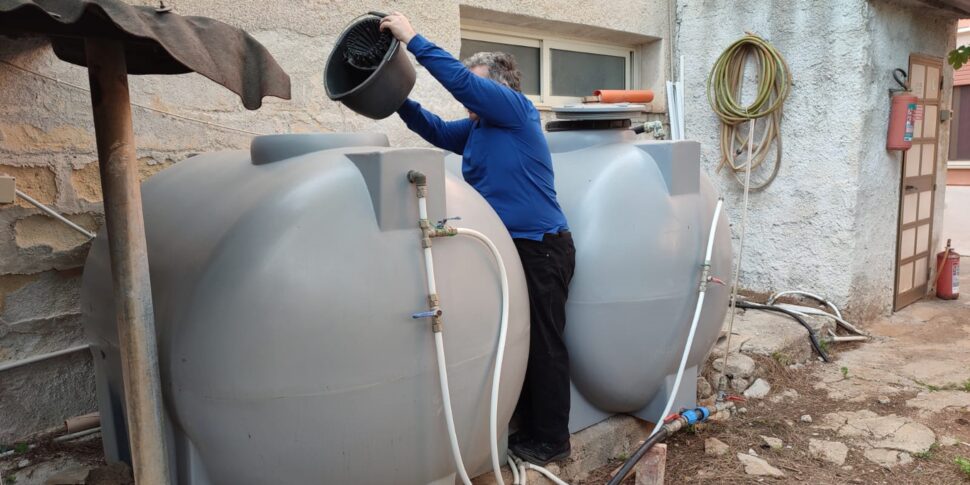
(724, 93)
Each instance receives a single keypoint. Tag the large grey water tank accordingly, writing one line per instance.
(284, 280)
(640, 212)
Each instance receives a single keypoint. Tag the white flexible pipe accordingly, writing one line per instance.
(693, 324)
(428, 259)
(499, 352)
(446, 400)
(548, 474)
(771, 301)
(440, 352)
(515, 470)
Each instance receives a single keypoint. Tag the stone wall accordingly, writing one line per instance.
(47, 143)
(828, 222)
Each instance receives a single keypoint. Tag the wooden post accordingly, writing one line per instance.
(108, 75)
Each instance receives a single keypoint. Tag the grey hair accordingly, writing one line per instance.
(502, 67)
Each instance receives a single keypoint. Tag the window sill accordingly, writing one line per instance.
(647, 109)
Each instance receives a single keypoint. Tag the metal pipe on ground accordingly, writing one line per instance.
(108, 76)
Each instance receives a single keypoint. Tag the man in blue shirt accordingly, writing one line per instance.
(506, 158)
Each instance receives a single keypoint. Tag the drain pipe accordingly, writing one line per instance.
(718, 412)
(434, 312)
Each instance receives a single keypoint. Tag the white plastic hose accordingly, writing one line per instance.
(442, 365)
(446, 400)
(693, 324)
(499, 352)
(515, 470)
(548, 474)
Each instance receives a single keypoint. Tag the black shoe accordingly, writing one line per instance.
(517, 437)
(540, 453)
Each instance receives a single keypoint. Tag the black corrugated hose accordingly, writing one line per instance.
(770, 308)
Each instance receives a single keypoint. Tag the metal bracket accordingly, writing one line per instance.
(8, 189)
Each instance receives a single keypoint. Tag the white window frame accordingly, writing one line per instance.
(546, 43)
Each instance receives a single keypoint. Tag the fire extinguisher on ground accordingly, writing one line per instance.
(948, 273)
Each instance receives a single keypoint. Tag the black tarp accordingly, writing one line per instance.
(155, 42)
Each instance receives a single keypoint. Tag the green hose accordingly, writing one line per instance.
(724, 93)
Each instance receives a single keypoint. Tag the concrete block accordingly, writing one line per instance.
(652, 468)
(51, 294)
(40, 396)
(43, 230)
(771, 334)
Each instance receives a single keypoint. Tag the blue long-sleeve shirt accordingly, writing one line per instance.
(504, 154)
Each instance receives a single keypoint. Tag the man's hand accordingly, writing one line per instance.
(400, 27)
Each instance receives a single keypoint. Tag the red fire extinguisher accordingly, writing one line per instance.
(948, 274)
(901, 121)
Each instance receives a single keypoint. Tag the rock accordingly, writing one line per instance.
(806, 418)
(888, 458)
(890, 432)
(773, 443)
(789, 423)
(704, 389)
(831, 451)
(739, 385)
(884, 400)
(934, 402)
(23, 463)
(758, 390)
(113, 474)
(742, 410)
(847, 468)
(738, 365)
(948, 441)
(788, 395)
(76, 476)
(758, 467)
(752, 452)
(715, 447)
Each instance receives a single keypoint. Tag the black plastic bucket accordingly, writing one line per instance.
(377, 92)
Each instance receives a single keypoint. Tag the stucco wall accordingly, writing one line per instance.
(897, 31)
(47, 142)
(828, 222)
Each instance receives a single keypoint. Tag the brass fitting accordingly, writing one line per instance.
(417, 178)
(444, 231)
(705, 276)
(436, 323)
(433, 300)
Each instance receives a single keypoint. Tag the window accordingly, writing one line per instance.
(557, 71)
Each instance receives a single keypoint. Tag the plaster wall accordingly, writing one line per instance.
(828, 222)
(47, 142)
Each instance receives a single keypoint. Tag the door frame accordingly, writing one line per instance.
(927, 183)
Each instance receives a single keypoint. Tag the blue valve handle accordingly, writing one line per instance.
(426, 314)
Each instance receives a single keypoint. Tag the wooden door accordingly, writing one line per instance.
(914, 258)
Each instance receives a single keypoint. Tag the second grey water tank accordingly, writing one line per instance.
(640, 213)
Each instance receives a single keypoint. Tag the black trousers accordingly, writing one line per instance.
(543, 407)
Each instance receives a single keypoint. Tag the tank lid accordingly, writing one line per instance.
(614, 111)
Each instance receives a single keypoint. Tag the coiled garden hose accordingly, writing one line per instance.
(724, 95)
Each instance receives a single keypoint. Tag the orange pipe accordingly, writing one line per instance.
(624, 96)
